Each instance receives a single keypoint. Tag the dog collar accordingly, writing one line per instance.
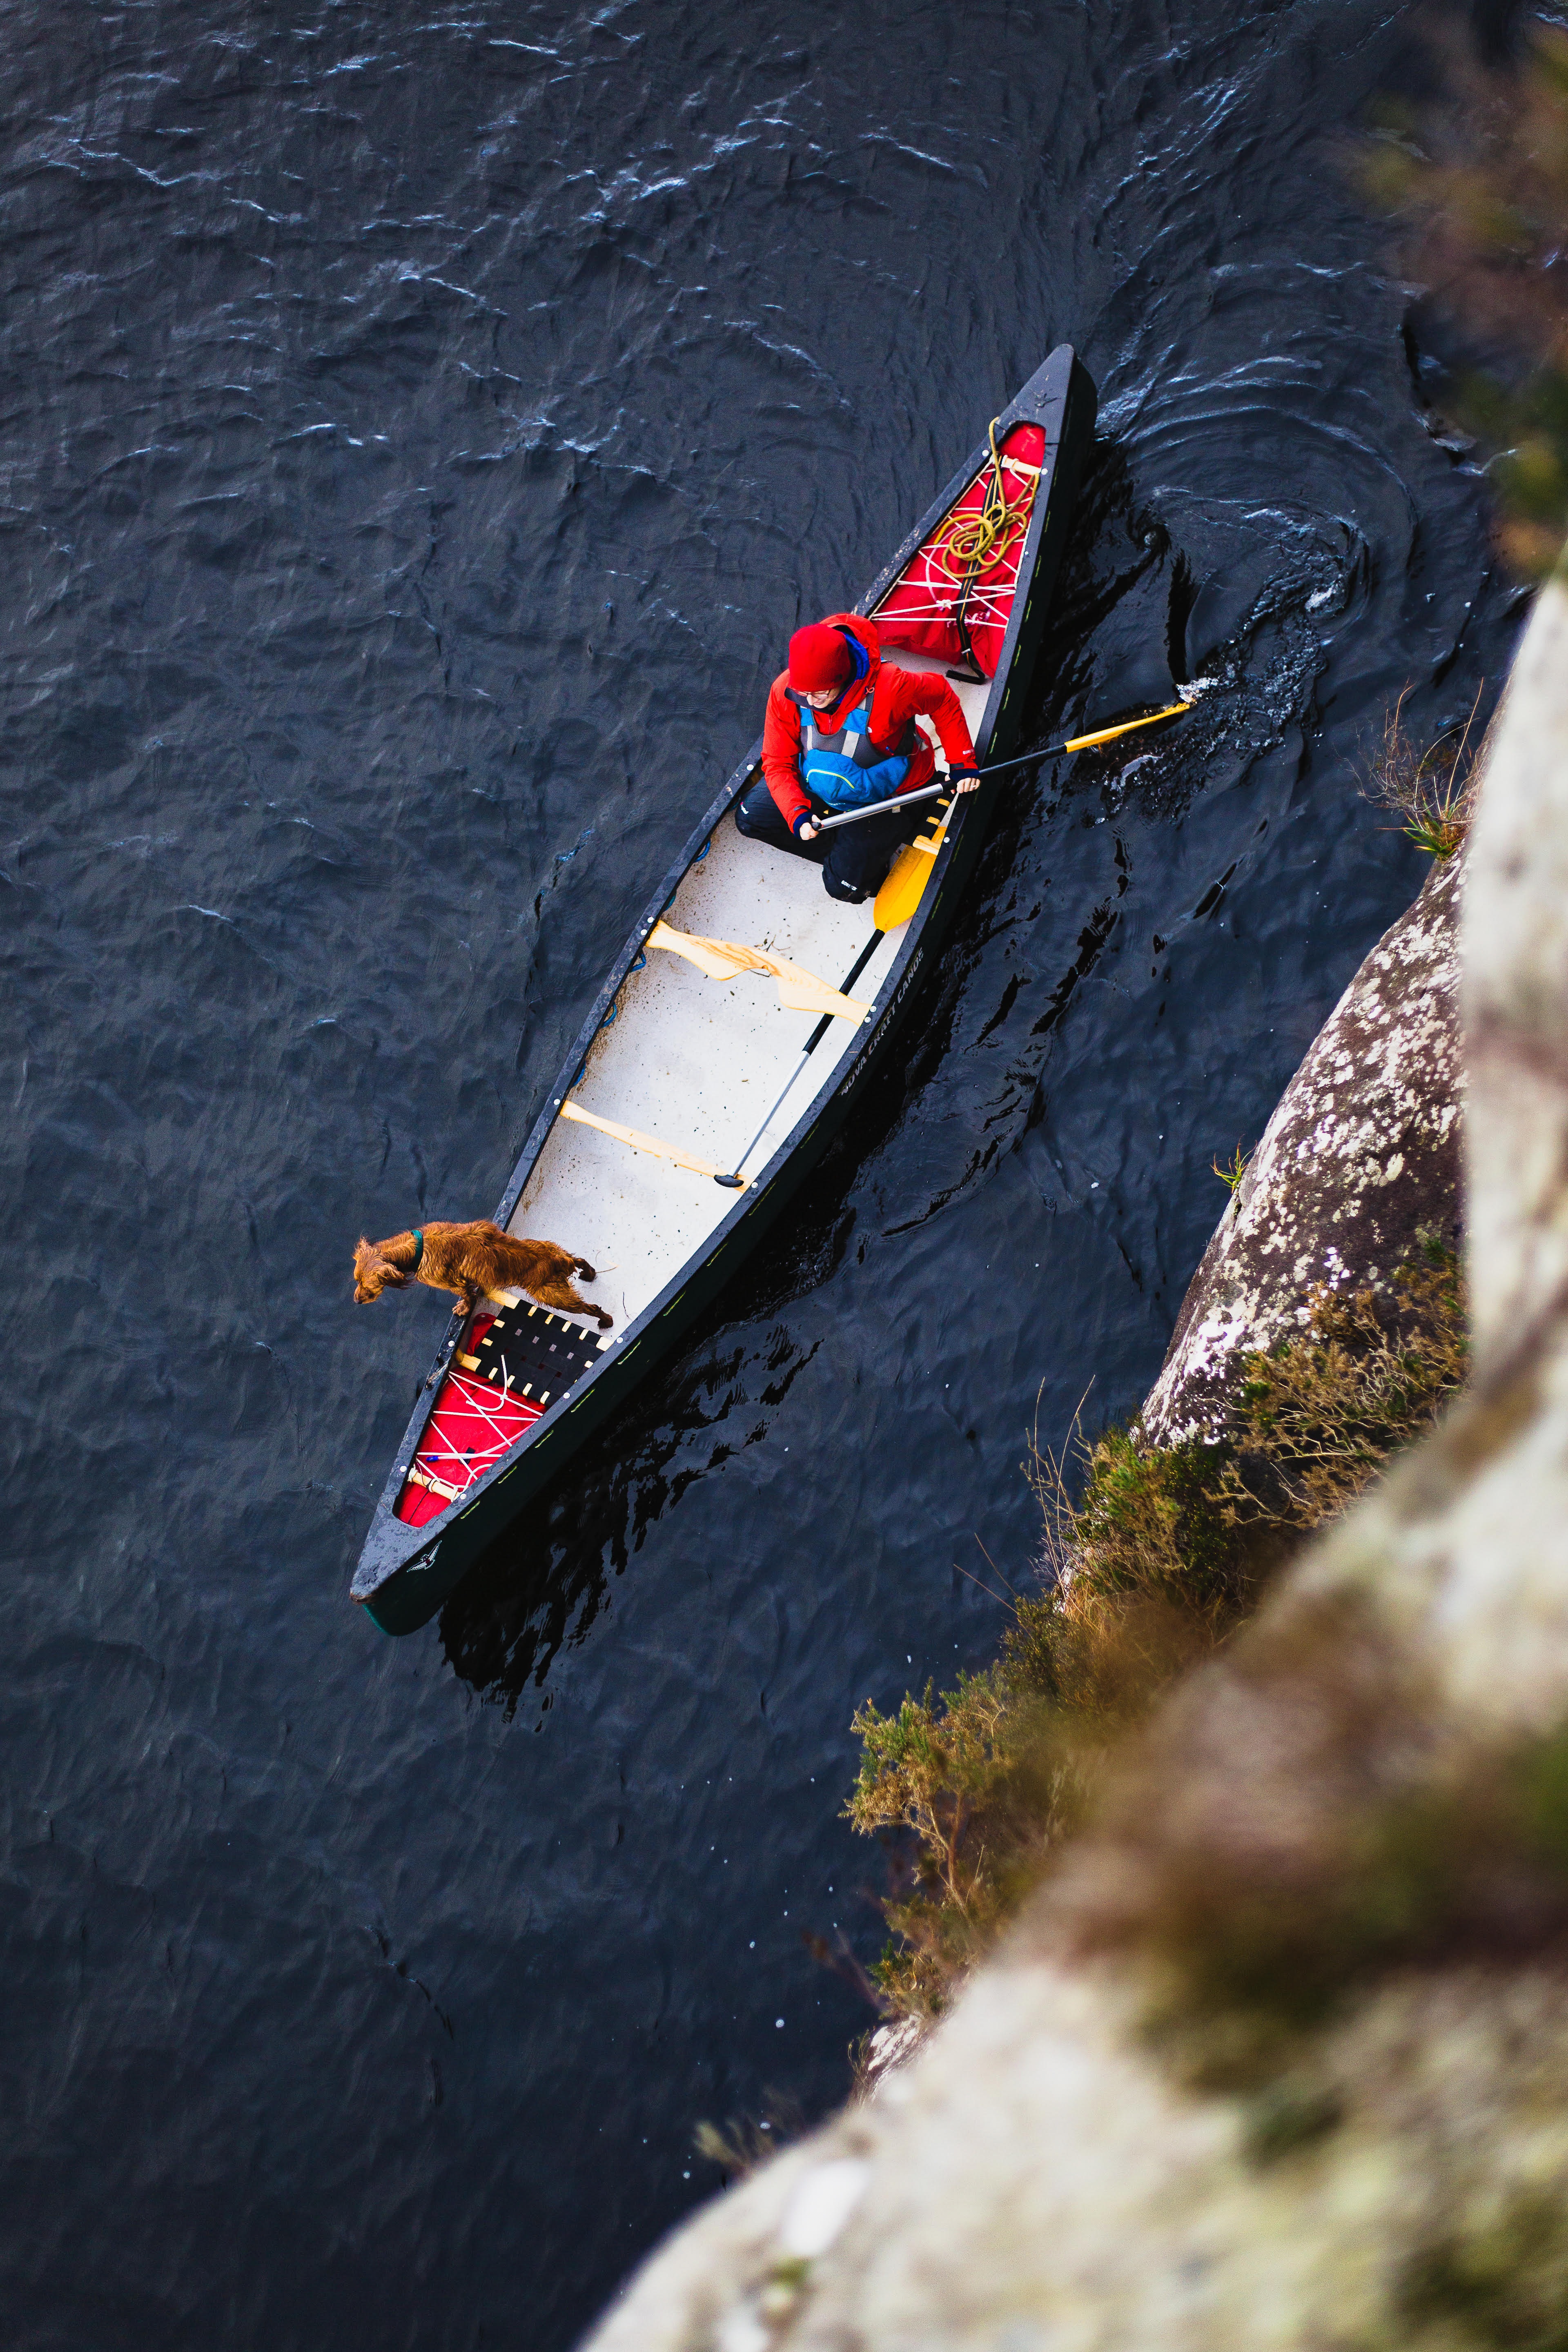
(419, 1250)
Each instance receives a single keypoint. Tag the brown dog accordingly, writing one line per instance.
(471, 1260)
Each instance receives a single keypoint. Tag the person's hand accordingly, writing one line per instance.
(806, 828)
(965, 779)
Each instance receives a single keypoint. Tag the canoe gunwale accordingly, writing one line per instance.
(393, 1550)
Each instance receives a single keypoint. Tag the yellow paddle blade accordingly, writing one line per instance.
(907, 877)
(799, 989)
(720, 959)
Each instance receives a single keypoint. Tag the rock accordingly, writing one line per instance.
(1040, 2185)
(1516, 985)
(1362, 1153)
(1062, 2166)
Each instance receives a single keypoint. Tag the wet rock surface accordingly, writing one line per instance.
(1361, 1155)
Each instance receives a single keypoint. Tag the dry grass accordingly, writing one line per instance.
(741, 2145)
(1431, 789)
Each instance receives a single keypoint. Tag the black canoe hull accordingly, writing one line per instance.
(405, 1573)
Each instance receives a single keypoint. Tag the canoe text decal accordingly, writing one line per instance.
(863, 1060)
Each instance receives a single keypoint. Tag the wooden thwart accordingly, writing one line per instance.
(799, 989)
(643, 1142)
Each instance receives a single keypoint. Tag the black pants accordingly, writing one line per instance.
(854, 859)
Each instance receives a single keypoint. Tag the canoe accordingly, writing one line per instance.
(742, 985)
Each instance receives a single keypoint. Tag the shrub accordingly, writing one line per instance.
(981, 1783)
(1162, 1556)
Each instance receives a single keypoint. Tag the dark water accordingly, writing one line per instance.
(421, 432)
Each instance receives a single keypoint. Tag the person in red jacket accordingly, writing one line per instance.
(839, 733)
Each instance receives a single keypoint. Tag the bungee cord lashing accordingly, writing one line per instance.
(969, 544)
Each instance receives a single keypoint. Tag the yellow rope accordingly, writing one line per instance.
(968, 544)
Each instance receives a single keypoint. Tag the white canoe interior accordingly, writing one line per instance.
(695, 1064)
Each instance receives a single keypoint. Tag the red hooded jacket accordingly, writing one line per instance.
(896, 696)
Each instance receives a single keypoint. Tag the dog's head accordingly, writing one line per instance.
(372, 1274)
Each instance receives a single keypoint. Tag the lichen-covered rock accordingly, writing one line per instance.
(1370, 1791)
(1038, 2186)
(1360, 1155)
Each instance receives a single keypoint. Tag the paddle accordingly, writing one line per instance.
(1051, 751)
(897, 900)
(910, 870)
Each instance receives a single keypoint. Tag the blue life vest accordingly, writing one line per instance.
(844, 768)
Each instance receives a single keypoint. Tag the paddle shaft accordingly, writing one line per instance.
(812, 1043)
(1051, 751)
